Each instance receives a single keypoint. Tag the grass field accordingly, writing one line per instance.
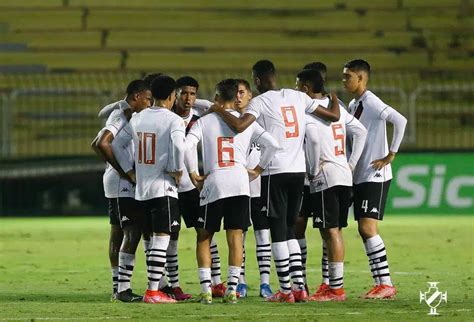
(57, 269)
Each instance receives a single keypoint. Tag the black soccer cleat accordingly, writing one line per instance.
(128, 296)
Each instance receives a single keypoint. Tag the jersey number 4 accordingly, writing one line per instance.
(338, 134)
(146, 147)
(225, 151)
(291, 121)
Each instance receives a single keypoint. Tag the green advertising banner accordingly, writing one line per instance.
(432, 183)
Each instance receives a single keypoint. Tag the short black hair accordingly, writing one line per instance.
(243, 82)
(312, 78)
(263, 68)
(317, 65)
(150, 77)
(162, 87)
(227, 89)
(358, 65)
(137, 86)
(187, 81)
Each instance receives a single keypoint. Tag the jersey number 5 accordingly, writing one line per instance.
(291, 121)
(146, 147)
(224, 147)
(338, 136)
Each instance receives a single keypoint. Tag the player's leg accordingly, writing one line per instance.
(218, 288)
(331, 210)
(115, 242)
(242, 286)
(275, 200)
(131, 218)
(300, 229)
(263, 244)
(163, 211)
(295, 185)
(236, 219)
(369, 207)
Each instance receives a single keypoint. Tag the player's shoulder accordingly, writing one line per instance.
(370, 99)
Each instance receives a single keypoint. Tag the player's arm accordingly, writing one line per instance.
(178, 150)
(108, 109)
(96, 150)
(269, 147)
(191, 160)
(399, 124)
(104, 145)
(121, 155)
(312, 150)
(332, 113)
(238, 124)
(358, 133)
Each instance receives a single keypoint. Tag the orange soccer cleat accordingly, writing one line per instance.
(281, 297)
(218, 290)
(300, 295)
(381, 292)
(154, 297)
(329, 294)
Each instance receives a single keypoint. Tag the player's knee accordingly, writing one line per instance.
(278, 231)
(203, 236)
(367, 231)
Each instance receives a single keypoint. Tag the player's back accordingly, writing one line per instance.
(282, 114)
(369, 110)
(224, 154)
(334, 167)
(152, 129)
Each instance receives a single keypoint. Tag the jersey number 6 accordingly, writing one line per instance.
(224, 146)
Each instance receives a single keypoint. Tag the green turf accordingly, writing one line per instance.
(57, 268)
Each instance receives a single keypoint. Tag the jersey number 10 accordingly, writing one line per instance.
(146, 147)
(224, 147)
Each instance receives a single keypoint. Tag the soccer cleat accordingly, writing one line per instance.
(230, 297)
(281, 297)
(265, 290)
(300, 295)
(381, 292)
(153, 297)
(128, 296)
(205, 298)
(113, 297)
(242, 290)
(168, 290)
(322, 288)
(179, 295)
(218, 290)
(329, 294)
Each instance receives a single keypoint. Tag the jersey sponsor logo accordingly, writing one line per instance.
(378, 175)
(170, 189)
(200, 219)
(175, 223)
(125, 189)
(319, 183)
(374, 210)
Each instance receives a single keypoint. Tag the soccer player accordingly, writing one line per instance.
(123, 210)
(259, 220)
(331, 182)
(282, 113)
(373, 173)
(158, 137)
(226, 190)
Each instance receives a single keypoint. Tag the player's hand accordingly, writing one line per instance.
(311, 177)
(131, 176)
(254, 173)
(177, 176)
(380, 163)
(197, 180)
(333, 96)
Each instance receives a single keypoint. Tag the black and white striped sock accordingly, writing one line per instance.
(336, 275)
(377, 255)
(296, 267)
(115, 272)
(304, 255)
(156, 261)
(242, 279)
(205, 279)
(216, 264)
(233, 277)
(264, 254)
(281, 257)
(126, 265)
(172, 263)
(325, 264)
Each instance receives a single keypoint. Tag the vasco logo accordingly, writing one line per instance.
(433, 297)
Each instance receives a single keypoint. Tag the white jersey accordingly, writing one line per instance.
(282, 114)
(334, 168)
(372, 113)
(253, 159)
(186, 184)
(224, 154)
(158, 135)
(114, 185)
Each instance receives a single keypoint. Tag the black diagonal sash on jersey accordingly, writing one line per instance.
(359, 110)
(193, 120)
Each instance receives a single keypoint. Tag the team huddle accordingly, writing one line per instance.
(272, 161)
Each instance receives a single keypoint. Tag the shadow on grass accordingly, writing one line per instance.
(55, 298)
